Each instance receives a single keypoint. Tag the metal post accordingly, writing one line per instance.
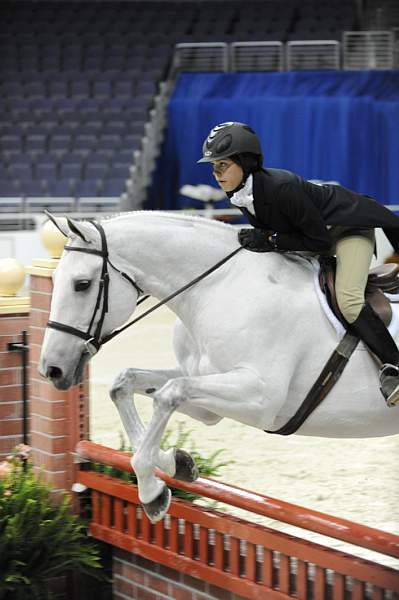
(23, 347)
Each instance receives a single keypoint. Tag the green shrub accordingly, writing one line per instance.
(40, 537)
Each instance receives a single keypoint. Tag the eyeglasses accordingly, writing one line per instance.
(222, 167)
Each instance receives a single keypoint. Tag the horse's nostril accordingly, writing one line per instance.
(54, 373)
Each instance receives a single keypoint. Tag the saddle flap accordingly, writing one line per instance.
(384, 278)
(380, 304)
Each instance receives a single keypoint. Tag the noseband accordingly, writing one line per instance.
(93, 341)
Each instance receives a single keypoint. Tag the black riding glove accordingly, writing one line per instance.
(255, 240)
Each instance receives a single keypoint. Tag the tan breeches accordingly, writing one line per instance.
(354, 254)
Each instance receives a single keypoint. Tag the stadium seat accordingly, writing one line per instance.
(123, 88)
(113, 187)
(70, 170)
(60, 142)
(31, 188)
(131, 142)
(102, 89)
(21, 170)
(109, 141)
(96, 170)
(84, 141)
(80, 89)
(62, 105)
(10, 141)
(86, 188)
(60, 187)
(8, 189)
(4, 173)
(12, 89)
(120, 171)
(46, 169)
(114, 128)
(58, 89)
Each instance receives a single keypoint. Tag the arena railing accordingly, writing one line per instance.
(360, 50)
(241, 556)
(206, 56)
(368, 50)
(257, 56)
(313, 54)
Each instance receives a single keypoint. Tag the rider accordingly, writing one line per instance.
(289, 213)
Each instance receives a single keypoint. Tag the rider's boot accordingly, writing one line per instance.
(371, 329)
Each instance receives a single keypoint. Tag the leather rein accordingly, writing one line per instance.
(94, 341)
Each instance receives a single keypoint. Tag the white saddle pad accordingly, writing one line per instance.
(339, 328)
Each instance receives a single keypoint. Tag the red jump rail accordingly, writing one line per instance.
(240, 556)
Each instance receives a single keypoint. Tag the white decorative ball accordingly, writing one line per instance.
(12, 276)
(52, 239)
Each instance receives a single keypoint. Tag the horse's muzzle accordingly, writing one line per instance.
(61, 380)
(56, 377)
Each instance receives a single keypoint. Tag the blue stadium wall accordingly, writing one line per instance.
(329, 125)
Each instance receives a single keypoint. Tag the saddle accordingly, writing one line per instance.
(382, 280)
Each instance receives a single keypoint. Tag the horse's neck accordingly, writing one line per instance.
(166, 252)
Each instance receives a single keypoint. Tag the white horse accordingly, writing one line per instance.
(250, 339)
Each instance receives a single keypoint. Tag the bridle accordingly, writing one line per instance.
(94, 341)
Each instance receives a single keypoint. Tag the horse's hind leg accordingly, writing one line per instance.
(175, 462)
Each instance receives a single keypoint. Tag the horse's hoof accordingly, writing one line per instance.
(157, 508)
(186, 469)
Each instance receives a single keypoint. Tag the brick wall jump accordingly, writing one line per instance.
(59, 419)
(11, 405)
(136, 578)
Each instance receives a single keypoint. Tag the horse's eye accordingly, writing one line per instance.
(82, 285)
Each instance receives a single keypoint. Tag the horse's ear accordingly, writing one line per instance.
(81, 229)
(59, 222)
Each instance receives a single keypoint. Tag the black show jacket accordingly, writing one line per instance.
(300, 211)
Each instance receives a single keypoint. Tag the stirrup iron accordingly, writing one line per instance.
(389, 374)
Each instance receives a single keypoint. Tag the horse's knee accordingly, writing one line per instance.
(171, 395)
(123, 384)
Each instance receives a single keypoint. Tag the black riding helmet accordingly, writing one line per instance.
(229, 139)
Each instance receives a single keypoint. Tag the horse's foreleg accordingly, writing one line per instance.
(153, 493)
(122, 392)
(238, 394)
(175, 462)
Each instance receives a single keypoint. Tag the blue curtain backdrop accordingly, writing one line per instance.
(329, 125)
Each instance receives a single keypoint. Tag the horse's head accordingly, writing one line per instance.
(93, 295)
